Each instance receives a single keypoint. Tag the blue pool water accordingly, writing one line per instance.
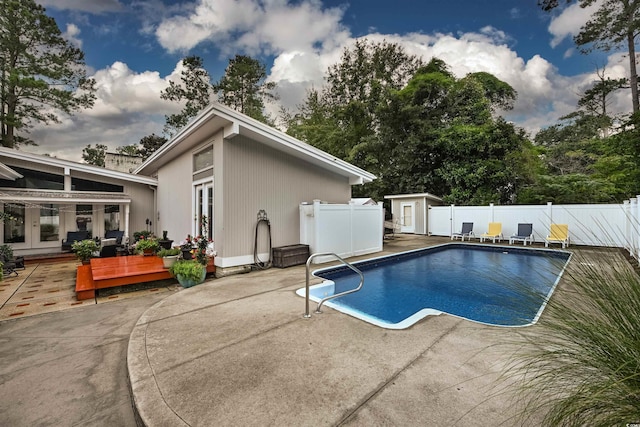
(496, 285)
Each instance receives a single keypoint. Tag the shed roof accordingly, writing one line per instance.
(414, 196)
(218, 117)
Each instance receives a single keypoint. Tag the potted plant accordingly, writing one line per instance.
(169, 256)
(139, 235)
(188, 272)
(85, 249)
(147, 246)
(165, 242)
(187, 247)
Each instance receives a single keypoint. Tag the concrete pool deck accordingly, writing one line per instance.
(237, 351)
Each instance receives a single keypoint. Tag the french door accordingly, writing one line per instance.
(32, 227)
(203, 209)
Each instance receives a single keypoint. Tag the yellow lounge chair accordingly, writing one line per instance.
(559, 234)
(495, 232)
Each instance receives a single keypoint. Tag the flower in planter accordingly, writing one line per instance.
(148, 244)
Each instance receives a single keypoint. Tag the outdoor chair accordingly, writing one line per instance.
(559, 233)
(494, 232)
(467, 231)
(108, 247)
(390, 228)
(8, 266)
(115, 234)
(524, 234)
(74, 236)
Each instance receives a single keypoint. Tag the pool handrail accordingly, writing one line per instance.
(306, 297)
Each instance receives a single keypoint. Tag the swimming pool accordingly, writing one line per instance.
(496, 285)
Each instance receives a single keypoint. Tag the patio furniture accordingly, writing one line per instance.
(467, 231)
(559, 233)
(494, 232)
(115, 234)
(8, 266)
(390, 228)
(524, 234)
(74, 236)
(108, 247)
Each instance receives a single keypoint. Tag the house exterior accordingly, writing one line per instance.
(48, 197)
(229, 168)
(410, 211)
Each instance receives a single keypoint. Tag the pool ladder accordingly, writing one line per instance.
(306, 297)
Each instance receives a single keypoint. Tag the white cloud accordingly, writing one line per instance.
(270, 26)
(570, 21)
(71, 34)
(128, 107)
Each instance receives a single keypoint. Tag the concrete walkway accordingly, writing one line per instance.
(68, 368)
(237, 351)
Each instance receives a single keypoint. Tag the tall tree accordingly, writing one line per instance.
(41, 74)
(194, 89)
(149, 144)
(615, 23)
(244, 87)
(94, 155)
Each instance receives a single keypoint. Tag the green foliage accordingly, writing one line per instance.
(580, 365)
(145, 244)
(189, 269)
(195, 88)
(42, 74)
(244, 87)
(148, 145)
(143, 234)
(7, 251)
(168, 252)
(94, 155)
(84, 249)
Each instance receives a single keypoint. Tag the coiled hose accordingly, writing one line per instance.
(262, 219)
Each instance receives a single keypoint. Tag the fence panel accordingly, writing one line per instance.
(346, 230)
(595, 225)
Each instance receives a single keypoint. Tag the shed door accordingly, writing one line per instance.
(408, 217)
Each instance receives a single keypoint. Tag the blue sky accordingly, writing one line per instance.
(133, 49)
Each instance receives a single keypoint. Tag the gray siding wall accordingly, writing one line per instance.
(257, 177)
(141, 208)
(175, 197)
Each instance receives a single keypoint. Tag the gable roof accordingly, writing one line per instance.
(217, 116)
(68, 164)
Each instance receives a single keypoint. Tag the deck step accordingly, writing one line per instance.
(85, 288)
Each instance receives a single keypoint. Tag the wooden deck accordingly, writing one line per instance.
(110, 272)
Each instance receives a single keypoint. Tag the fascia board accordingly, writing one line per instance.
(94, 170)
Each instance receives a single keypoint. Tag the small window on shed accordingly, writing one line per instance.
(203, 159)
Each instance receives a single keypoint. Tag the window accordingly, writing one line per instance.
(111, 217)
(34, 180)
(78, 184)
(84, 215)
(203, 159)
(14, 223)
(49, 223)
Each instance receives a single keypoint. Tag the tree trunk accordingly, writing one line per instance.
(633, 74)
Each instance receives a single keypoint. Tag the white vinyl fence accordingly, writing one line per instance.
(595, 225)
(346, 230)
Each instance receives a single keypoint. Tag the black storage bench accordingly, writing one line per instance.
(286, 256)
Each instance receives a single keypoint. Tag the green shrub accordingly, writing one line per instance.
(580, 365)
(189, 269)
(84, 249)
(168, 252)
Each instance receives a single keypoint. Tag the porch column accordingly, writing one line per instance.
(126, 220)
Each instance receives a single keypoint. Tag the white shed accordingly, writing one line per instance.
(410, 211)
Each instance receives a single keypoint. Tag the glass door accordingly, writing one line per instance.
(45, 226)
(203, 209)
